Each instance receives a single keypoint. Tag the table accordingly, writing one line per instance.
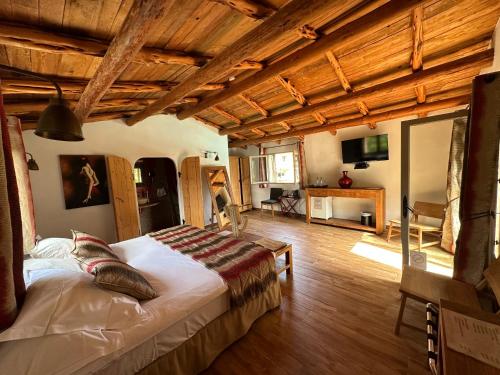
(375, 194)
(288, 205)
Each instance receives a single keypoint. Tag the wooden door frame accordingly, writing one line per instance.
(405, 172)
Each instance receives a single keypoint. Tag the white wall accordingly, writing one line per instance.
(157, 136)
(429, 165)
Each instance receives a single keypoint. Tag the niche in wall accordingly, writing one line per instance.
(157, 194)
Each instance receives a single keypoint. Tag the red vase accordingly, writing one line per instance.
(345, 181)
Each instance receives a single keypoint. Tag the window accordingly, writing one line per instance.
(280, 168)
(137, 175)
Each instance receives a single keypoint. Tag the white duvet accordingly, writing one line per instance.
(68, 324)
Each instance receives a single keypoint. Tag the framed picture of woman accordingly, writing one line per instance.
(85, 180)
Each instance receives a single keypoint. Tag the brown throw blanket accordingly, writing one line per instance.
(248, 269)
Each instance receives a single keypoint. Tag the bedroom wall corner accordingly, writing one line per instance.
(157, 136)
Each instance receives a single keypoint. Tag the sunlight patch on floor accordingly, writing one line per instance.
(393, 259)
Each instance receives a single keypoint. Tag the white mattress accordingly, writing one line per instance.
(190, 297)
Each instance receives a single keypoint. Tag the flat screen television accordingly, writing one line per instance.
(365, 149)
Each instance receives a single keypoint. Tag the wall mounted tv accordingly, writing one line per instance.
(365, 149)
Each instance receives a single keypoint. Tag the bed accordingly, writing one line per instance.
(180, 332)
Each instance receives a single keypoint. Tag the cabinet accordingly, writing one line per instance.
(239, 170)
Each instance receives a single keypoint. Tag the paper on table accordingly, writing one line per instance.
(472, 337)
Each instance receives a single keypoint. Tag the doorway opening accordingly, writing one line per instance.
(157, 193)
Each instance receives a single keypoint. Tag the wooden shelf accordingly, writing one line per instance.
(344, 223)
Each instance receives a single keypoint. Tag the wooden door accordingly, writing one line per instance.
(246, 187)
(124, 197)
(234, 174)
(192, 191)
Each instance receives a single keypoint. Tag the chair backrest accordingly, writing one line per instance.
(435, 210)
(276, 193)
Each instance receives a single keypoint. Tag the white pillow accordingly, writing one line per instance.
(53, 248)
(36, 264)
(61, 301)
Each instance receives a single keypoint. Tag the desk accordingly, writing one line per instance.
(375, 194)
(452, 362)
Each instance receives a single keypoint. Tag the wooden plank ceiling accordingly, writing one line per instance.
(341, 63)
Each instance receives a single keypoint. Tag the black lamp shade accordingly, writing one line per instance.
(58, 122)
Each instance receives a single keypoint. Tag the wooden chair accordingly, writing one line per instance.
(417, 230)
(274, 198)
(428, 287)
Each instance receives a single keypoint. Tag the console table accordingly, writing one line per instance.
(375, 194)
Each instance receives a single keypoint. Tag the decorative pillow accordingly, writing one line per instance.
(88, 246)
(53, 248)
(116, 275)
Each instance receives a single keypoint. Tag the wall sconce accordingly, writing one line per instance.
(57, 121)
(32, 164)
(209, 154)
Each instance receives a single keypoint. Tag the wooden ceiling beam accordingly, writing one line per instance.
(259, 132)
(383, 116)
(308, 32)
(252, 103)
(249, 65)
(285, 125)
(417, 55)
(249, 8)
(226, 114)
(344, 82)
(206, 122)
(287, 18)
(23, 36)
(355, 30)
(445, 71)
(363, 108)
(142, 17)
(70, 87)
(24, 107)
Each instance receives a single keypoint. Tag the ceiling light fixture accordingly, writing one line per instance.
(57, 121)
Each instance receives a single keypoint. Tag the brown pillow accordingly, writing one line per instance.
(118, 276)
(88, 246)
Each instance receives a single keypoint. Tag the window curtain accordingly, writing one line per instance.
(478, 197)
(304, 178)
(451, 224)
(12, 288)
(23, 183)
(262, 168)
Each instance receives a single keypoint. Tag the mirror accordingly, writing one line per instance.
(221, 193)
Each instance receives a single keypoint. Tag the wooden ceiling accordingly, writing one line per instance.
(256, 70)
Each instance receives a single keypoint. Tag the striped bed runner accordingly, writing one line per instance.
(248, 269)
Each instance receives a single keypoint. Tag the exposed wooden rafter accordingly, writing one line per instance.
(249, 8)
(226, 114)
(287, 18)
(24, 107)
(444, 72)
(351, 32)
(383, 116)
(206, 122)
(249, 65)
(299, 97)
(308, 32)
(252, 103)
(259, 132)
(69, 87)
(40, 40)
(129, 40)
(417, 55)
(344, 82)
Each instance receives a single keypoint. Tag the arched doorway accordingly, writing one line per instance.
(157, 193)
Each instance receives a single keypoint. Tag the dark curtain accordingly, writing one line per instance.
(12, 289)
(478, 199)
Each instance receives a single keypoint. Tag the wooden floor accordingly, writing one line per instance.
(338, 310)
